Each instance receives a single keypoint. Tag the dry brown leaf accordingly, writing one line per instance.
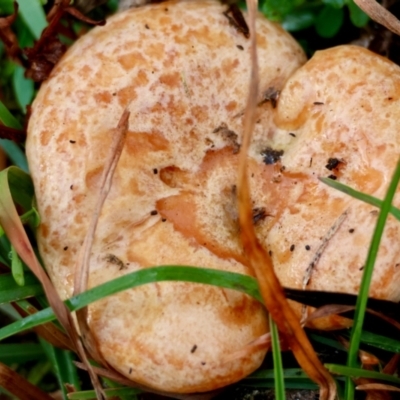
(20, 387)
(391, 367)
(261, 343)
(12, 225)
(261, 263)
(82, 266)
(377, 386)
(328, 310)
(379, 14)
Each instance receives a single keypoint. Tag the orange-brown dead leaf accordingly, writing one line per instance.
(271, 290)
(380, 14)
(261, 343)
(20, 387)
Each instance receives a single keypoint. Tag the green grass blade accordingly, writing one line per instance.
(328, 342)
(361, 373)
(362, 299)
(380, 342)
(17, 268)
(114, 392)
(288, 373)
(20, 353)
(366, 198)
(33, 15)
(10, 291)
(38, 372)
(278, 367)
(63, 365)
(228, 280)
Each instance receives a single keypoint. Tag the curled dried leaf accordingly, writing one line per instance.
(19, 386)
(259, 260)
(261, 343)
(380, 14)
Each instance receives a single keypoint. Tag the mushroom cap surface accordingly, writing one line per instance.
(182, 70)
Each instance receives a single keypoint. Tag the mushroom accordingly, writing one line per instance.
(182, 70)
(337, 117)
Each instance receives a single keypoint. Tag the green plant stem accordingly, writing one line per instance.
(362, 299)
(276, 356)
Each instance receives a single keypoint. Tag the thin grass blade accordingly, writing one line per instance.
(366, 198)
(362, 299)
(223, 279)
(354, 372)
(10, 291)
(63, 366)
(17, 268)
(114, 392)
(278, 367)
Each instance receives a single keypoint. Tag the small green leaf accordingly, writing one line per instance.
(357, 16)
(329, 21)
(33, 15)
(17, 268)
(7, 118)
(12, 150)
(275, 10)
(335, 3)
(6, 7)
(298, 20)
(20, 185)
(23, 88)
